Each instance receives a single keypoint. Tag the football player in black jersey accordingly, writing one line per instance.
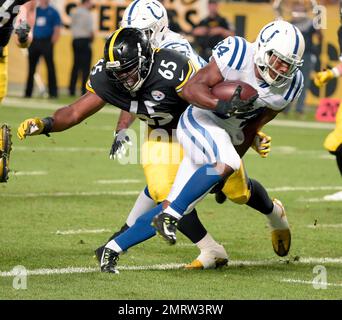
(136, 78)
(18, 14)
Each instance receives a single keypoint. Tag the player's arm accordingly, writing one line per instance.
(197, 92)
(64, 118)
(120, 136)
(24, 24)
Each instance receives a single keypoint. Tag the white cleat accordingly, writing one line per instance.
(334, 197)
(280, 229)
(210, 258)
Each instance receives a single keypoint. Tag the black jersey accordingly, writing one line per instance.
(157, 102)
(9, 9)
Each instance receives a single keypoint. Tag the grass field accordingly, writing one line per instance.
(56, 209)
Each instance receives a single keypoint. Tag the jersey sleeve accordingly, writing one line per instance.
(98, 83)
(175, 68)
(230, 54)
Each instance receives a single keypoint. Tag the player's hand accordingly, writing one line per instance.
(118, 148)
(236, 105)
(23, 30)
(323, 77)
(30, 127)
(262, 144)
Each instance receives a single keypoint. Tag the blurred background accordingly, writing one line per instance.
(244, 18)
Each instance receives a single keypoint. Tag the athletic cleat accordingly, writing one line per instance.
(166, 225)
(99, 250)
(109, 260)
(280, 230)
(212, 258)
(220, 197)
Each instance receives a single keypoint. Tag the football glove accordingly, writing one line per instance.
(30, 127)
(5, 149)
(323, 77)
(23, 30)
(262, 144)
(118, 148)
(235, 104)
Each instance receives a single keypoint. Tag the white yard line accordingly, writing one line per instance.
(311, 282)
(320, 199)
(81, 231)
(172, 266)
(40, 104)
(288, 188)
(59, 149)
(136, 192)
(28, 173)
(328, 226)
(70, 194)
(301, 124)
(119, 181)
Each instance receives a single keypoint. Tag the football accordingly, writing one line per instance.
(224, 90)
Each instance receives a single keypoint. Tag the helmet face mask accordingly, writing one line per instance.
(149, 16)
(128, 57)
(279, 51)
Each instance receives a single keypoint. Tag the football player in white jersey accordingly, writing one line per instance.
(270, 65)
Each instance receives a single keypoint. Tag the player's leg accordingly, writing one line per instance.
(3, 72)
(217, 160)
(243, 190)
(333, 143)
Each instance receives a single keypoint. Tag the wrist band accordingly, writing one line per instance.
(48, 123)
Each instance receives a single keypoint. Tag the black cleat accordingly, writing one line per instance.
(109, 260)
(220, 197)
(99, 250)
(166, 226)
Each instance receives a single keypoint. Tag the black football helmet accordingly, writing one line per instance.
(128, 56)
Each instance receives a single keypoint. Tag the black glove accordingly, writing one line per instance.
(23, 30)
(118, 149)
(235, 105)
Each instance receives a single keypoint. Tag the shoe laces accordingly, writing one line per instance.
(110, 257)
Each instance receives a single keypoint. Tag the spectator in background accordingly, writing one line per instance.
(211, 30)
(304, 23)
(82, 29)
(46, 32)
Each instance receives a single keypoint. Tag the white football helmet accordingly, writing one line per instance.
(149, 16)
(279, 40)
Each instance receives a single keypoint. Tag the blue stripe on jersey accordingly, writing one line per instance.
(242, 54)
(131, 11)
(264, 85)
(291, 87)
(204, 133)
(300, 84)
(297, 41)
(232, 59)
(192, 138)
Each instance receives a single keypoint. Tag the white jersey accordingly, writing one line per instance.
(234, 57)
(175, 41)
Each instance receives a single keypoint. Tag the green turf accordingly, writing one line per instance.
(28, 224)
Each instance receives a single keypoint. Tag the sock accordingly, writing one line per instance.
(274, 220)
(259, 199)
(206, 242)
(191, 226)
(143, 204)
(139, 232)
(198, 186)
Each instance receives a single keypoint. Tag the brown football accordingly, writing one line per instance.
(224, 90)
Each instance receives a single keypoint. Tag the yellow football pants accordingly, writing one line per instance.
(334, 138)
(3, 73)
(161, 160)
